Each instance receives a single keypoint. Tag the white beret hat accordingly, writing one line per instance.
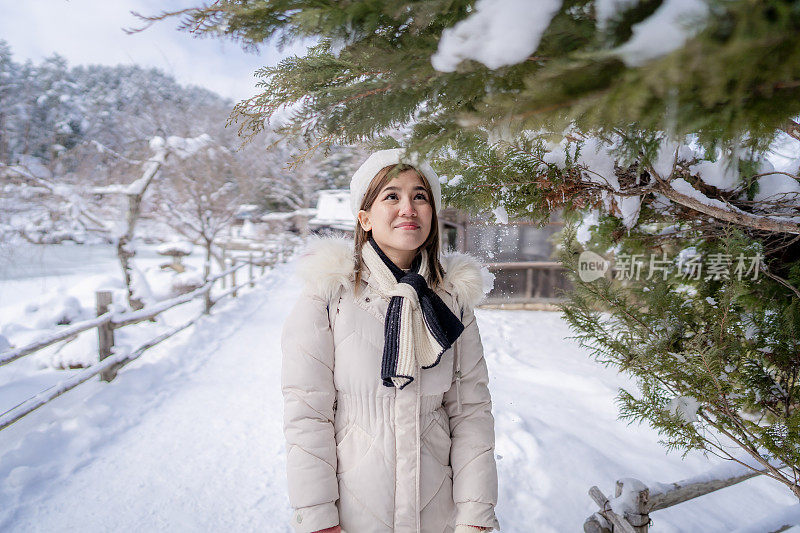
(383, 158)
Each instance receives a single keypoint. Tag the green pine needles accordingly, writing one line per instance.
(712, 341)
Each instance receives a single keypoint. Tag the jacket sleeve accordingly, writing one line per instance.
(308, 400)
(472, 432)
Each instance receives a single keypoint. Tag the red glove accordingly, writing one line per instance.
(334, 529)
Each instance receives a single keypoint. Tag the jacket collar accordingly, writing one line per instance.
(326, 264)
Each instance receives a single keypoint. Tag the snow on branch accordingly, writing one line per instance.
(61, 190)
(681, 192)
(506, 32)
(775, 205)
(180, 146)
(498, 33)
(666, 30)
(103, 149)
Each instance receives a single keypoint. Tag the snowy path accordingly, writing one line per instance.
(189, 437)
(198, 448)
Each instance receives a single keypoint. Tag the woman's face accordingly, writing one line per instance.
(400, 218)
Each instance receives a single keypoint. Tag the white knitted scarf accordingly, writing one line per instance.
(419, 326)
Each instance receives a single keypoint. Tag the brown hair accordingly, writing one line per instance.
(431, 244)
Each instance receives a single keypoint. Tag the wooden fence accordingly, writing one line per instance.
(527, 282)
(106, 322)
(629, 511)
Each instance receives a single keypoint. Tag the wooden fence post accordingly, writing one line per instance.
(224, 267)
(250, 270)
(528, 282)
(105, 333)
(596, 524)
(639, 519)
(263, 261)
(233, 276)
(207, 303)
(619, 522)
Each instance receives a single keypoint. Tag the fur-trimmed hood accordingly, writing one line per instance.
(326, 264)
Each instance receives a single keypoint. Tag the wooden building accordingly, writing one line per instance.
(521, 255)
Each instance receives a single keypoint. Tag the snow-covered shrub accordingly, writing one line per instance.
(56, 310)
(167, 283)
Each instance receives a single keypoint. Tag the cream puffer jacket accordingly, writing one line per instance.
(373, 458)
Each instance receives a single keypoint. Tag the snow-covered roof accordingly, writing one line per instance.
(247, 211)
(277, 215)
(266, 217)
(168, 248)
(333, 210)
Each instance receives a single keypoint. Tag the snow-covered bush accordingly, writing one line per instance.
(168, 283)
(56, 310)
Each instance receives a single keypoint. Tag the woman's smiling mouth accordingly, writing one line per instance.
(407, 225)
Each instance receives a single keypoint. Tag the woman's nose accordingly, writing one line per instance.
(407, 208)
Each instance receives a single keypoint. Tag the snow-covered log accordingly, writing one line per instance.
(634, 500)
(663, 495)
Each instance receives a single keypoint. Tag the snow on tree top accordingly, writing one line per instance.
(500, 214)
(684, 187)
(157, 143)
(181, 146)
(184, 147)
(722, 173)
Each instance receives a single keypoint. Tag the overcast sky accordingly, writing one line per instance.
(90, 32)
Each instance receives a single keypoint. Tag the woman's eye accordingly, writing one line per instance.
(391, 196)
(421, 196)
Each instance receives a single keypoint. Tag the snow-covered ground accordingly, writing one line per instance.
(188, 437)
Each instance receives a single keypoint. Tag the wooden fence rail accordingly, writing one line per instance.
(526, 281)
(119, 320)
(109, 360)
(633, 501)
(12, 355)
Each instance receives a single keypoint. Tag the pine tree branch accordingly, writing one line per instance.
(149, 20)
(782, 281)
(792, 129)
(734, 215)
(106, 150)
(770, 470)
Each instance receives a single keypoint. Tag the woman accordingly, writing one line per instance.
(387, 413)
